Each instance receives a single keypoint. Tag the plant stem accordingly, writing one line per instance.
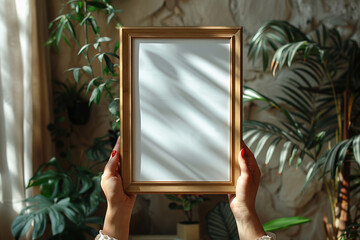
(86, 40)
(344, 174)
(336, 100)
(331, 199)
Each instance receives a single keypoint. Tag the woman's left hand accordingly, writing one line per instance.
(120, 204)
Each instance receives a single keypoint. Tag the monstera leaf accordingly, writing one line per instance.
(42, 208)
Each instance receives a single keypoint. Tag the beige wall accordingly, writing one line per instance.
(278, 196)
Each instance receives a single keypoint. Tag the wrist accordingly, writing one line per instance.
(118, 209)
(117, 221)
(249, 225)
(246, 214)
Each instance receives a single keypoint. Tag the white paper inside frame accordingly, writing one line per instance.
(182, 109)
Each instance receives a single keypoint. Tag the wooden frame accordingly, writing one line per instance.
(183, 63)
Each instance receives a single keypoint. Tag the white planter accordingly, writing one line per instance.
(188, 231)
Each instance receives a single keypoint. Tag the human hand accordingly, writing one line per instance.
(242, 203)
(120, 204)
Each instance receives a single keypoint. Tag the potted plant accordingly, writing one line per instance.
(70, 97)
(189, 229)
(319, 115)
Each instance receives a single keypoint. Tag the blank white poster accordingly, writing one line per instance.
(181, 107)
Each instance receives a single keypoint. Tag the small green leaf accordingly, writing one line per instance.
(59, 31)
(271, 150)
(284, 154)
(93, 82)
(111, 15)
(95, 96)
(88, 69)
(86, 46)
(93, 24)
(109, 64)
(71, 29)
(103, 39)
(114, 107)
(76, 72)
(293, 154)
(261, 144)
(85, 18)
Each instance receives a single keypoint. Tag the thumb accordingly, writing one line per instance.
(244, 171)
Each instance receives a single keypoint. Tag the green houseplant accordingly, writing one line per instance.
(189, 229)
(320, 115)
(185, 203)
(70, 191)
(68, 199)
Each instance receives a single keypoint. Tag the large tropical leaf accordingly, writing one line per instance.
(260, 134)
(331, 161)
(67, 199)
(273, 35)
(283, 223)
(40, 209)
(221, 223)
(305, 125)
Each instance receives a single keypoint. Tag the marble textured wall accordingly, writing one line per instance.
(278, 196)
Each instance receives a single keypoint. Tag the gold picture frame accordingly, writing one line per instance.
(180, 109)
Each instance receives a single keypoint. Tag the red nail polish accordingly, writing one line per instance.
(242, 152)
(113, 153)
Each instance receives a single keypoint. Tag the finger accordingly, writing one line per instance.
(244, 170)
(252, 168)
(113, 165)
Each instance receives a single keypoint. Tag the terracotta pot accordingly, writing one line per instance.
(188, 231)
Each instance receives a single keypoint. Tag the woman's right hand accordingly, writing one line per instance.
(242, 203)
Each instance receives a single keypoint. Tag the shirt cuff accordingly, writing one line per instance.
(102, 236)
(268, 236)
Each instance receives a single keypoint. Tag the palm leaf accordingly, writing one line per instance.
(284, 154)
(356, 149)
(332, 160)
(261, 144)
(272, 35)
(252, 95)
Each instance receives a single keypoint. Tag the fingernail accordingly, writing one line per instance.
(242, 152)
(113, 153)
